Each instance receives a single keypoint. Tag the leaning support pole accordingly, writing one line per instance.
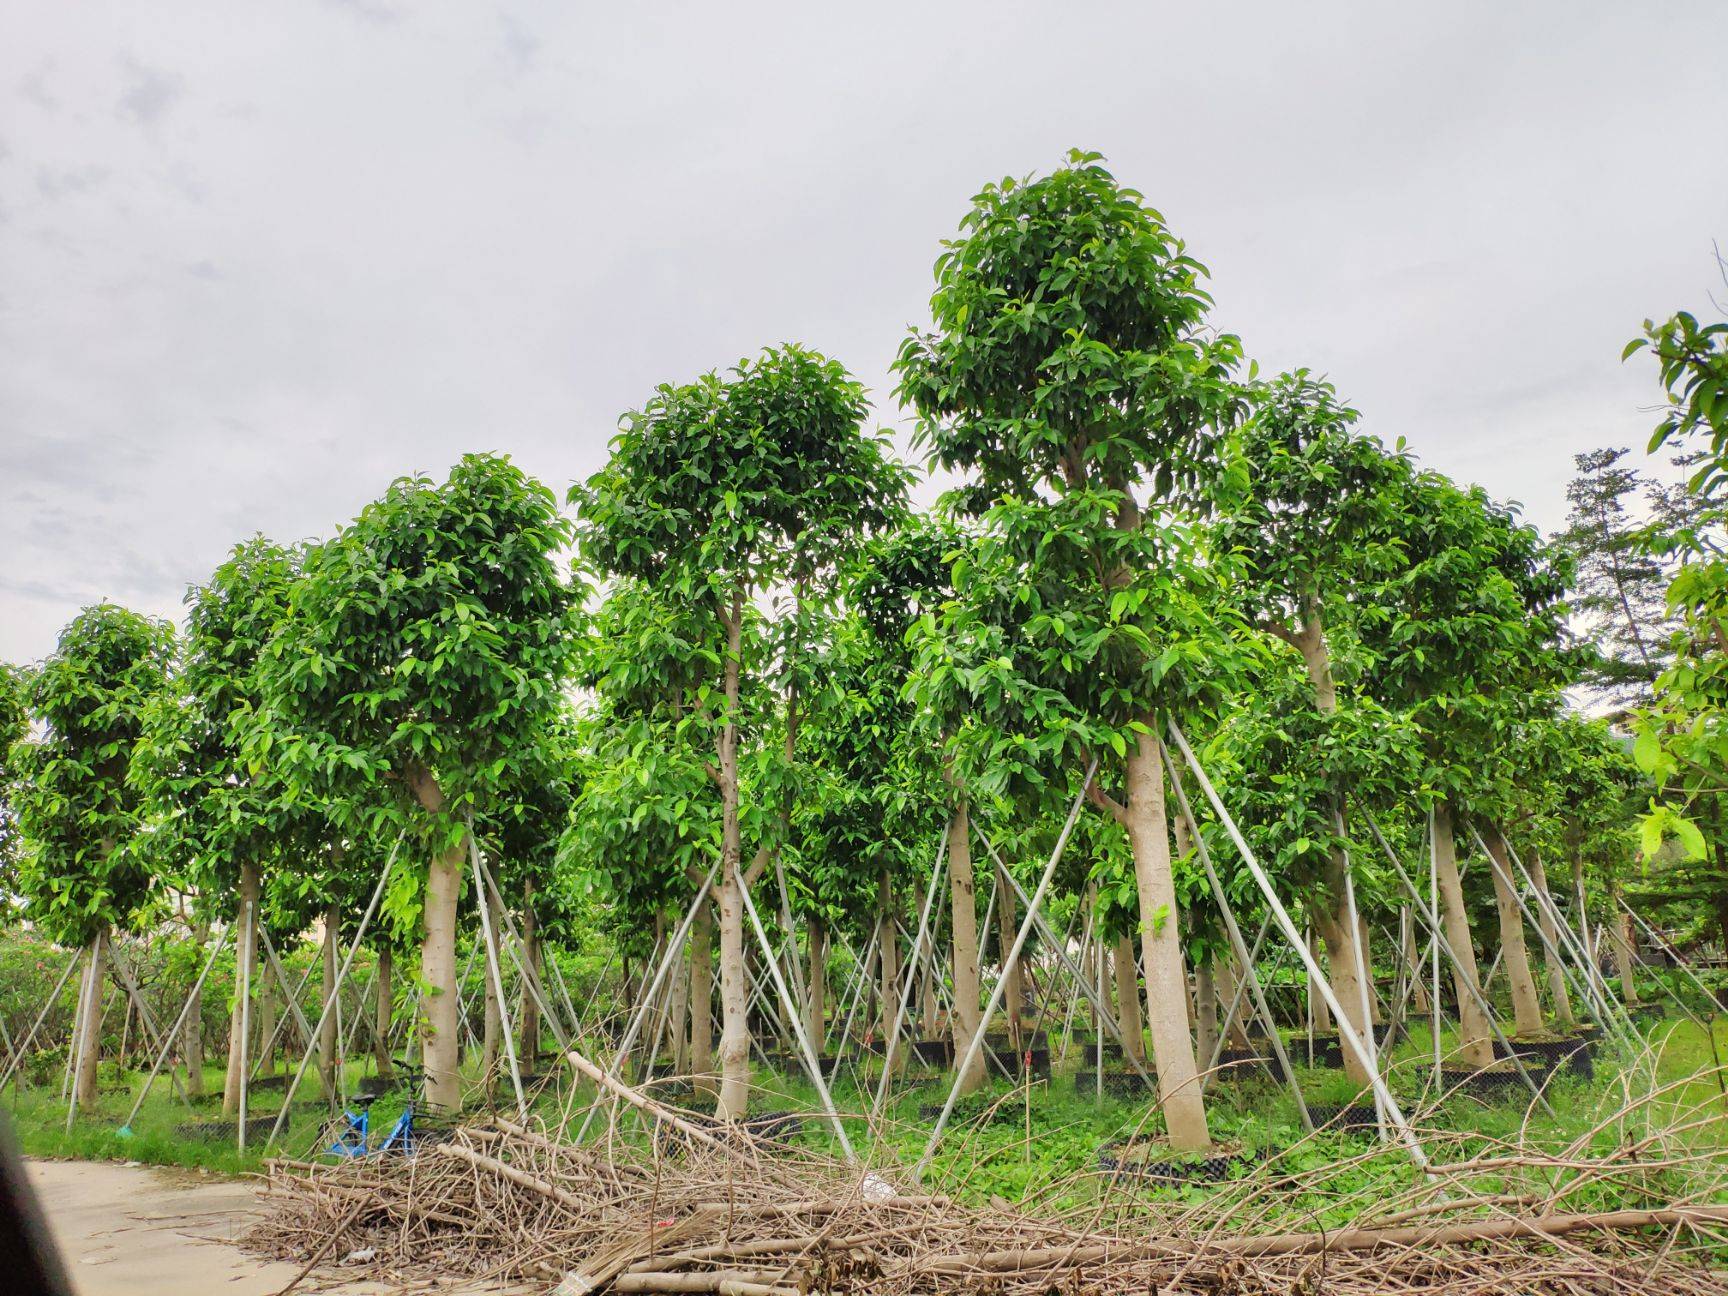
(1679, 962)
(1442, 945)
(1549, 949)
(977, 1041)
(674, 948)
(1249, 976)
(146, 1021)
(532, 983)
(497, 972)
(16, 1063)
(812, 1063)
(330, 1003)
(174, 1031)
(1106, 1018)
(1293, 935)
(914, 961)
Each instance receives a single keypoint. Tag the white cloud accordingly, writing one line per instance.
(252, 267)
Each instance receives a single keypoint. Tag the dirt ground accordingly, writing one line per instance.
(130, 1230)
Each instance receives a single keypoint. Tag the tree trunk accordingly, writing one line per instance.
(245, 957)
(192, 1039)
(1526, 1002)
(88, 1046)
(1620, 937)
(1205, 1014)
(734, 1099)
(381, 1019)
(702, 998)
(265, 1063)
(1007, 928)
(1552, 957)
(1317, 1005)
(440, 1004)
(1161, 947)
(1476, 1048)
(1417, 973)
(1338, 929)
(529, 1053)
(816, 985)
(963, 900)
(888, 965)
(329, 1036)
(1128, 999)
(927, 990)
(1231, 994)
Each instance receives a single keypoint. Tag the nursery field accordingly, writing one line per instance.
(1208, 851)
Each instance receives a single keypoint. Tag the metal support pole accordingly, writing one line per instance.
(1442, 945)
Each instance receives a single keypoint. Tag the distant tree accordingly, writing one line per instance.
(82, 874)
(423, 654)
(1320, 522)
(1619, 585)
(718, 490)
(1467, 650)
(14, 726)
(217, 820)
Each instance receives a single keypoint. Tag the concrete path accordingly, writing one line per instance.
(128, 1230)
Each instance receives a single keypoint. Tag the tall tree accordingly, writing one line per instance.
(1466, 648)
(79, 813)
(1071, 372)
(1319, 522)
(718, 489)
(423, 654)
(217, 819)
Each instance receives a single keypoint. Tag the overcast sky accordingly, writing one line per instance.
(257, 260)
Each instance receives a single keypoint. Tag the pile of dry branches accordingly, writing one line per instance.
(699, 1211)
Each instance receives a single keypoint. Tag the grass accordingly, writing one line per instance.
(1039, 1144)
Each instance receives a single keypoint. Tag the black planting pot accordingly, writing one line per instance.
(1034, 1039)
(1212, 1169)
(228, 1131)
(1089, 1052)
(1120, 1084)
(1494, 1085)
(1576, 1055)
(264, 1084)
(374, 1086)
(768, 1129)
(1016, 1063)
(1244, 1064)
(934, 1052)
(1351, 1116)
(1328, 1050)
(1003, 1113)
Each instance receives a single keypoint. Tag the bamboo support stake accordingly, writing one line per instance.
(497, 971)
(1346, 1031)
(811, 1063)
(913, 962)
(341, 976)
(1001, 986)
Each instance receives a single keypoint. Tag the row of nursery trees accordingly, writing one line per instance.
(762, 658)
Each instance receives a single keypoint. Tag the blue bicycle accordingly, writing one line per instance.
(354, 1136)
